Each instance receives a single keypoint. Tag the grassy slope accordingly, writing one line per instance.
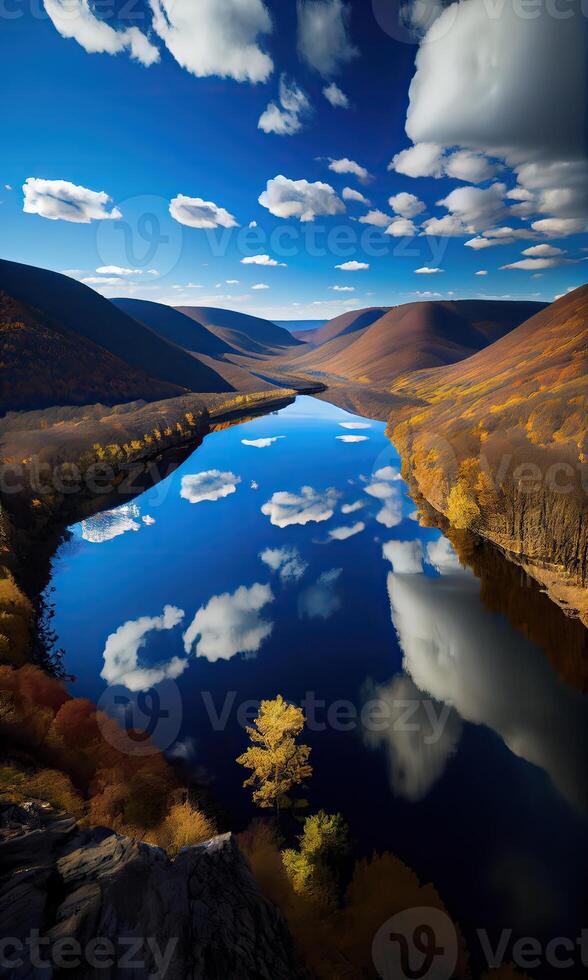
(43, 364)
(498, 443)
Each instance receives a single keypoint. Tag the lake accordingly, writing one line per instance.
(285, 556)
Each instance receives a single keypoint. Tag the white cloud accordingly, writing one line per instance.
(425, 270)
(208, 485)
(353, 507)
(476, 88)
(347, 166)
(481, 272)
(75, 19)
(343, 289)
(352, 438)
(261, 443)
(343, 533)
(300, 199)
(260, 285)
(323, 35)
(401, 228)
(148, 520)
(543, 251)
(387, 473)
(287, 118)
(421, 160)
(335, 96)
(60, 200)
(320, 601)
(471, 167)
(441, 555)
(406, 205)
(376, 218)
(264, 260)
(559, 227)
(287, 561)
(216, 37)
(472, 208)
(121, 652)
(390, 514)
(197, 213)
(353, 266)
(350, 194)
(230, 624)
(117, 270)
(355, 425)
(406, 557)
(111, 523)
(417, 753)
(309, 505)
(449, 226)
(380, 489)
(533, 265)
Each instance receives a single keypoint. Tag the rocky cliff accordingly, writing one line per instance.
(95, 904)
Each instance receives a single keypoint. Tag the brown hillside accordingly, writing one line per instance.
(421, 335)
(498, 443)
(346, 323)
(42, 365)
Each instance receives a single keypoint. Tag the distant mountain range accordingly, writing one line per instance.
(297, 327)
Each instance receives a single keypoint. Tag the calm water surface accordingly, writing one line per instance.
(285, 556)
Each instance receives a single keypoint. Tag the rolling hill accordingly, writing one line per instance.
(346, 323)
(84, 312)
(44, 365)
(176, 327)
(498, 443)
(418, 335)
(247, 334)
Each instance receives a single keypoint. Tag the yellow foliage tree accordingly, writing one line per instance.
(314, 870)
(277, 762)
(462, 508)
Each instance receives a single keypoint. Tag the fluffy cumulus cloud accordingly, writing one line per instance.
(378, 219)
(353, 507)
(350, 194)
(543, 251)
(469, 209)
(288, 562)
(197, 213)
(288, 117)
(406, 557)
(209, 485)
(406, 205)
(441, 555)
(216, 37)
(345, 532)
(335, 96)
(353, 266)
(384, 487)
(121, 652)
(300, 199)
(265, 260)
(323, 35)
(60, 200)
(347, 166)
(422, 160)
(306, 506)
(418, 753)
(471, 167)
(230, 623)
(534, 265)
(111, 523)
(476, 88)
(401, 228)
(262, 443)
(352, 438)
(320, 600)
(76, 19)
(355, 425)
(427, 270)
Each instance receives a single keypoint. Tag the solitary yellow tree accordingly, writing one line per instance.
(277, 761)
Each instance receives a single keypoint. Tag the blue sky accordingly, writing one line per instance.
(144, 134)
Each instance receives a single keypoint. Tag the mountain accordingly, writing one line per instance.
(499, 445)
(43, 364)
(84, 312)
(180, 329)
(421, 335)
(248, 334)
(300, 328)
(346, 323)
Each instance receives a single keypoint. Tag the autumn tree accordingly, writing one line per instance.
(315, 869)
(277, 762)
